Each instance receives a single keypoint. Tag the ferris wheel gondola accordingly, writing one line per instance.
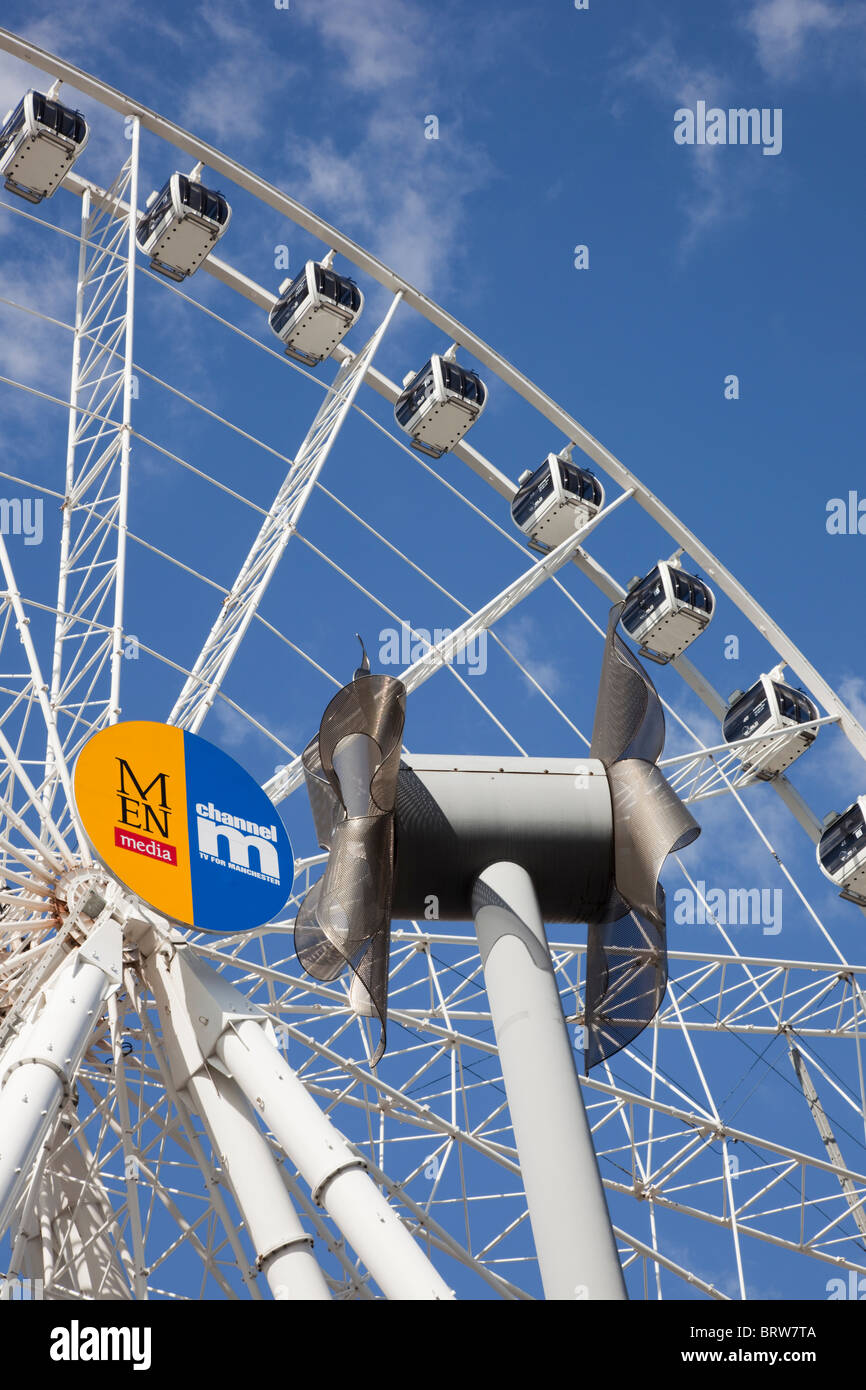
(841, 851)
(772, 707)
(666, 610)
(40, 141)
(315, 312)
(552, 502)
(439, 404)
(181, 226)
(448, 1152)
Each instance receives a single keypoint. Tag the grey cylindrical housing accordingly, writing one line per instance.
(456, 816)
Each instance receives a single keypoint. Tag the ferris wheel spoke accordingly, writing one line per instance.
(735, 1234)
(282, 520)
(444, 652)
(40, 692)
(813, 1182)
(135, 1187)
(661, 1261)
(92, 568)
(35, 803)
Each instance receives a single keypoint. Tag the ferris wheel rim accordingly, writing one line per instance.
(429, 309)
(199, 146)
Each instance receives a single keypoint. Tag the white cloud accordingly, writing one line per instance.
(368, 168)
(522, 636)
(788, 34)
(232, 730)
(376, 175)
(717, 187)
(240, 85)
(852, 692)
(378, 44)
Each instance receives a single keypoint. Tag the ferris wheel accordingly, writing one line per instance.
(189, 1113)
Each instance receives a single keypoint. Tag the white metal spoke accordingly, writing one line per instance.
(87, 661)
(132, 1191)
(282, 520)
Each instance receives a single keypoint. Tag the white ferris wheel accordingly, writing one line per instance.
(189, 1114)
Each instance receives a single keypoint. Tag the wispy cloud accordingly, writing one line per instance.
(791, 35)
(852, 692)
(382, 44)
(376, 174)
(717, 189)
(250, 69)
(524, 639)
(235, 94)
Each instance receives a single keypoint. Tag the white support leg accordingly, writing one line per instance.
(37, 1071)
(283, 1247)
(574, 1241)
(327, 1162)
(206, 1019)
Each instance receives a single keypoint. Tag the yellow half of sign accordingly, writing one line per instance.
(130, 791)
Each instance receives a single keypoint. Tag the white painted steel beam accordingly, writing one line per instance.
(241, 604)
(37, 1071)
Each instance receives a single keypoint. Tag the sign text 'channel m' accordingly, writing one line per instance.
(183, 826)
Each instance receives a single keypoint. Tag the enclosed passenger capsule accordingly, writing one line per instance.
(315, 312)
(181, 226)
(39, 143)
(774, 708)
(551, 503)
(842, 851)
(666, 611)
(439, 404)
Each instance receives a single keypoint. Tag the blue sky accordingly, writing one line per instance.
(555, 130)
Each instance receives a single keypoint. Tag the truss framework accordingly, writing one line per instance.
(129, 1184)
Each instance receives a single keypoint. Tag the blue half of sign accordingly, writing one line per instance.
(241, 862)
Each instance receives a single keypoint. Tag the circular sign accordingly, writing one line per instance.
(183, 826)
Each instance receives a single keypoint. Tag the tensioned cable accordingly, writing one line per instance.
(757, 1057)
(262, 511)
(234, 327)
(192, 301)
(391, 614)
(282, 358)
(176, 666)
(284, 458)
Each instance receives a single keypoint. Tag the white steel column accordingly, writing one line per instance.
(85, 674)
(205, 1018)
(574, 1241)
(71, 443)
(330, 1166)
(37, 1071)
(283, 1247)
(125, 435)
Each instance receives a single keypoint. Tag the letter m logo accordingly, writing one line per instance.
(233, 846)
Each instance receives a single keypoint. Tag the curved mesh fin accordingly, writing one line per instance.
(325, 804)
(626, 979)
(649, 823)
(351, 773)
(626, 968)
(629, 719)
(374, 706)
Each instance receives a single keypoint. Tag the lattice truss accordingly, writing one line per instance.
(129, 1197)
